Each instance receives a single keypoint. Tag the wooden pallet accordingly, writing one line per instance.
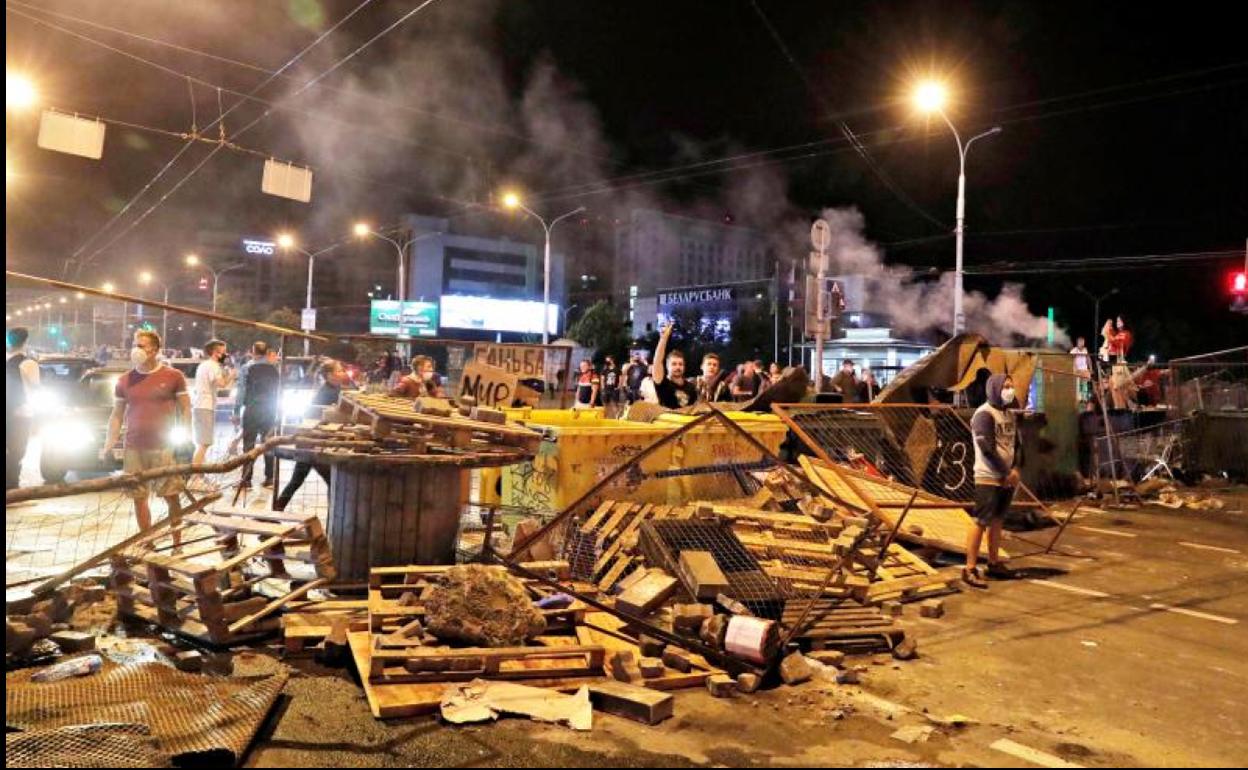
(385, 415)
(206, 592)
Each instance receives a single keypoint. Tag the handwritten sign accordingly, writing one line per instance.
(489, 385)
(524, 362)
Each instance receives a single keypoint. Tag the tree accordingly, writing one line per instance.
(601, 328)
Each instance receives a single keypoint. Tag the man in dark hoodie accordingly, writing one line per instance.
(995, 434)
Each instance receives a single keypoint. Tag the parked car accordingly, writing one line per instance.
(71, 438)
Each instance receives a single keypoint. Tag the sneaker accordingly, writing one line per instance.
(972, 578)
(267, 483)
(999, 571)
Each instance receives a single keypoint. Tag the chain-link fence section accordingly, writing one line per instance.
(928, 446)
(1213, 382)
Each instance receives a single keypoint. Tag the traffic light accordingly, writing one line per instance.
(1239, 283)
(203, 283)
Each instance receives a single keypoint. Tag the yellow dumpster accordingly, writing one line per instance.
(582, 448)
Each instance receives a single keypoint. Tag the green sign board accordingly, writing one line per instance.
(404, 319)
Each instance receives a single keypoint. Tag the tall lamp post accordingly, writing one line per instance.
(512, 201)
(146, 278)
(287, 242)
(193, 260)
(931, 97)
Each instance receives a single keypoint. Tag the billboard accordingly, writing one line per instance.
(412, 319)
(496, 315)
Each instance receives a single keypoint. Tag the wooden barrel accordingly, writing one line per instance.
(390, 516)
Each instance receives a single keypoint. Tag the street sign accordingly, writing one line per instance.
(308, 321)
(833, 301)
(820, 235)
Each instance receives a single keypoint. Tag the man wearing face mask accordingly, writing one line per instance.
(995, 434)
(333, 377)
(210, 376)
(151, 400)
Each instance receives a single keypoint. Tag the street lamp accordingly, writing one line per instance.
(512, 201)
(193, 260)
(287, 242)
(363, 230)
(147, 278)
(19, 91)
(929, 97)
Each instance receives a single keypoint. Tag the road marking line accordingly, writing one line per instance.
(1028, 754)
(1207, 547)
(1109, 532)
(1194, 614)
(1072, 589)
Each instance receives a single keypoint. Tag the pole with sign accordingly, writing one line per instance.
(820, 237)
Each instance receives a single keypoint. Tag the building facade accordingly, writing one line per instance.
(655, 250)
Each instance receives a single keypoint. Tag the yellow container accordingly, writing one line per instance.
(583, 448)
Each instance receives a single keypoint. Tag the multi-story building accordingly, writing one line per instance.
(483, 284)
(655, 250)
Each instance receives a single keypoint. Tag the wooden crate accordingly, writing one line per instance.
(206, 591)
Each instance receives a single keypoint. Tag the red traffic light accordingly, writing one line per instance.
(1239, 283)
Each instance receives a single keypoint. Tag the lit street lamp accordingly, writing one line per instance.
(147, 278)
(287, 242)
(19, 91)
(193, 260)
(930, 97)
(512, 201)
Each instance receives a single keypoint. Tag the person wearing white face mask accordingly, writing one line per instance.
(995, 433)
(151, 400)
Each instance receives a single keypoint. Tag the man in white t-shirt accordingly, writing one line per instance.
(1083, 368)
(210, 376)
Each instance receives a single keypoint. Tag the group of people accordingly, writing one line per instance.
(664, 381)
(1120, 386)
(854, 389)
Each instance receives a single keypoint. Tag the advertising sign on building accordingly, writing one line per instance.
(389, 316)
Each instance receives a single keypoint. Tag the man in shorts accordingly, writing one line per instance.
(150, 401)
(210, 376)
(994, 430)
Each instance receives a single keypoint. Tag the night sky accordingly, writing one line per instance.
(1125, 129)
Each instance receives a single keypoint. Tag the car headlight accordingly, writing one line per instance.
(296, 402)
(46, 401)
(179, 436)
(70, 434)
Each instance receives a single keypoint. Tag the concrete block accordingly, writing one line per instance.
(640, 704)
(834, 658)
(748, 683)
(74, 641)
(624, 667)
(687, 618)
(907, 649)
(674, 658)
(701, 575)
(794, 669)
(651, 647)
(721, 686)
(645, 596)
